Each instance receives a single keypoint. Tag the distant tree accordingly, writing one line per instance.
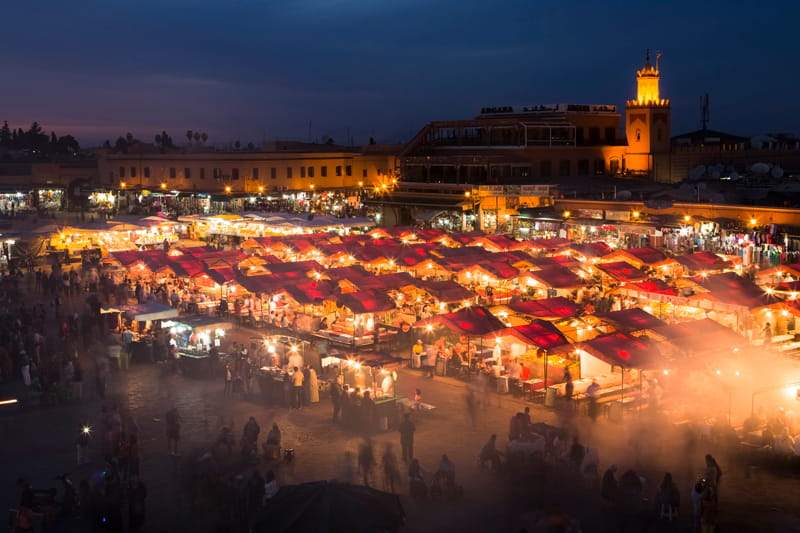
(107, 144)
(189, 135)
(5, 135)
(122, 145)
(197, 136)
(158, 140)
(237, 145)
(251, 146)
(330, 141)
(204, 136)
(53, 139)
(36, 129)
(372, 140)
(68, 144)
(129, 138)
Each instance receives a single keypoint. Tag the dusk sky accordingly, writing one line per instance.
(263, 69)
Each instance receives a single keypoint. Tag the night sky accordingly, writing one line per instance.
(263, 69)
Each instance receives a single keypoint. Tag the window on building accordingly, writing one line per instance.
(659, 135)
(234, 173)
(363, 172)
(594, 135)
(310, 172)
(172, 172)
(289, 172)
(348, 170)
(583, 167)
(121, 172)
(323, 171)
(338, 170)
(302, 172)
(599, 166)
(546, 168)
(565, 168)
(146, 172)
(217, 173)
(638, 135)
(255, 174)
(187, 173)
(273, 173)
(611, 135)
(203, 173)
(133, 172)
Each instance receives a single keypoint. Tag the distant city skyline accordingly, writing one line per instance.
(311, 69)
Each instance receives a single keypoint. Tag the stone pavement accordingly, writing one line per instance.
(38, 442)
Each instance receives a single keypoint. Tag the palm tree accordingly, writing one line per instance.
(204, 136)
(189, 135)
(197, 136)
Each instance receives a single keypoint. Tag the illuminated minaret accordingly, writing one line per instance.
(647, 125)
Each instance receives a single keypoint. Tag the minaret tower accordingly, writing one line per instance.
(647, 126)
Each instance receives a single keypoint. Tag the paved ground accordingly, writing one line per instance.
(38, 442)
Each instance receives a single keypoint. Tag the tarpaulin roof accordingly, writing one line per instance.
(472, 321)
(310, 293)
(220, 275)
(146, 311)
(194, 250)
(653, 285)
(430, 234)
(186, 265)
(265, 283)
(348, 272)
(591, 249)
(448, 291)
(329, 507)
(622, 271)
(388, 282)
(156, 260)
(731, 288)
(124, 258)
(647, 256)
(701, 335)
(222, 258)
(366, 301)
(296, 266)
(623, 350)
(498, 270)
(473, 251)
(556, 277)
(557, 308)
(701, 261)
(630, 320)
(199, 324)
(539, 333)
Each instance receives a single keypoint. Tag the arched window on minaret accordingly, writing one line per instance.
(659, 134)
(638, 135)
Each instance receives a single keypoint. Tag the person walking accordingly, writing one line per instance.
(313, 385)
(366, 460)
(591, 392)
(173, 430)
(228, 379)
(336, 400)
(406, 428)
(391, 472)
(297, 388)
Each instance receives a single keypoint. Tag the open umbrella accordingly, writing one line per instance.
(329, 507)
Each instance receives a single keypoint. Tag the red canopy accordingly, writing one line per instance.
(297, 266)
(654, 285)
(349, 272)
(701, 335)
(623, 350)
(556, 277)
(730, 288)
(702, 261)
(448, 291)
(557, 308)
(539, 333)
(366, 301)
(591, 249)
(622, 271)
(630, 320)
(310, 293)
(472, 321)
(647, 256)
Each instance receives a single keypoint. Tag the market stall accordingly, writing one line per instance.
(197, 343)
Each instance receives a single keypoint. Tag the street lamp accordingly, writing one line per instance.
(228, 189)
(753, 222)
(260, 188)
(163, 186)
(122, 184)
(687, 218)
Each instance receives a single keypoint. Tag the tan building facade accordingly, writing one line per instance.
(249, 172)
